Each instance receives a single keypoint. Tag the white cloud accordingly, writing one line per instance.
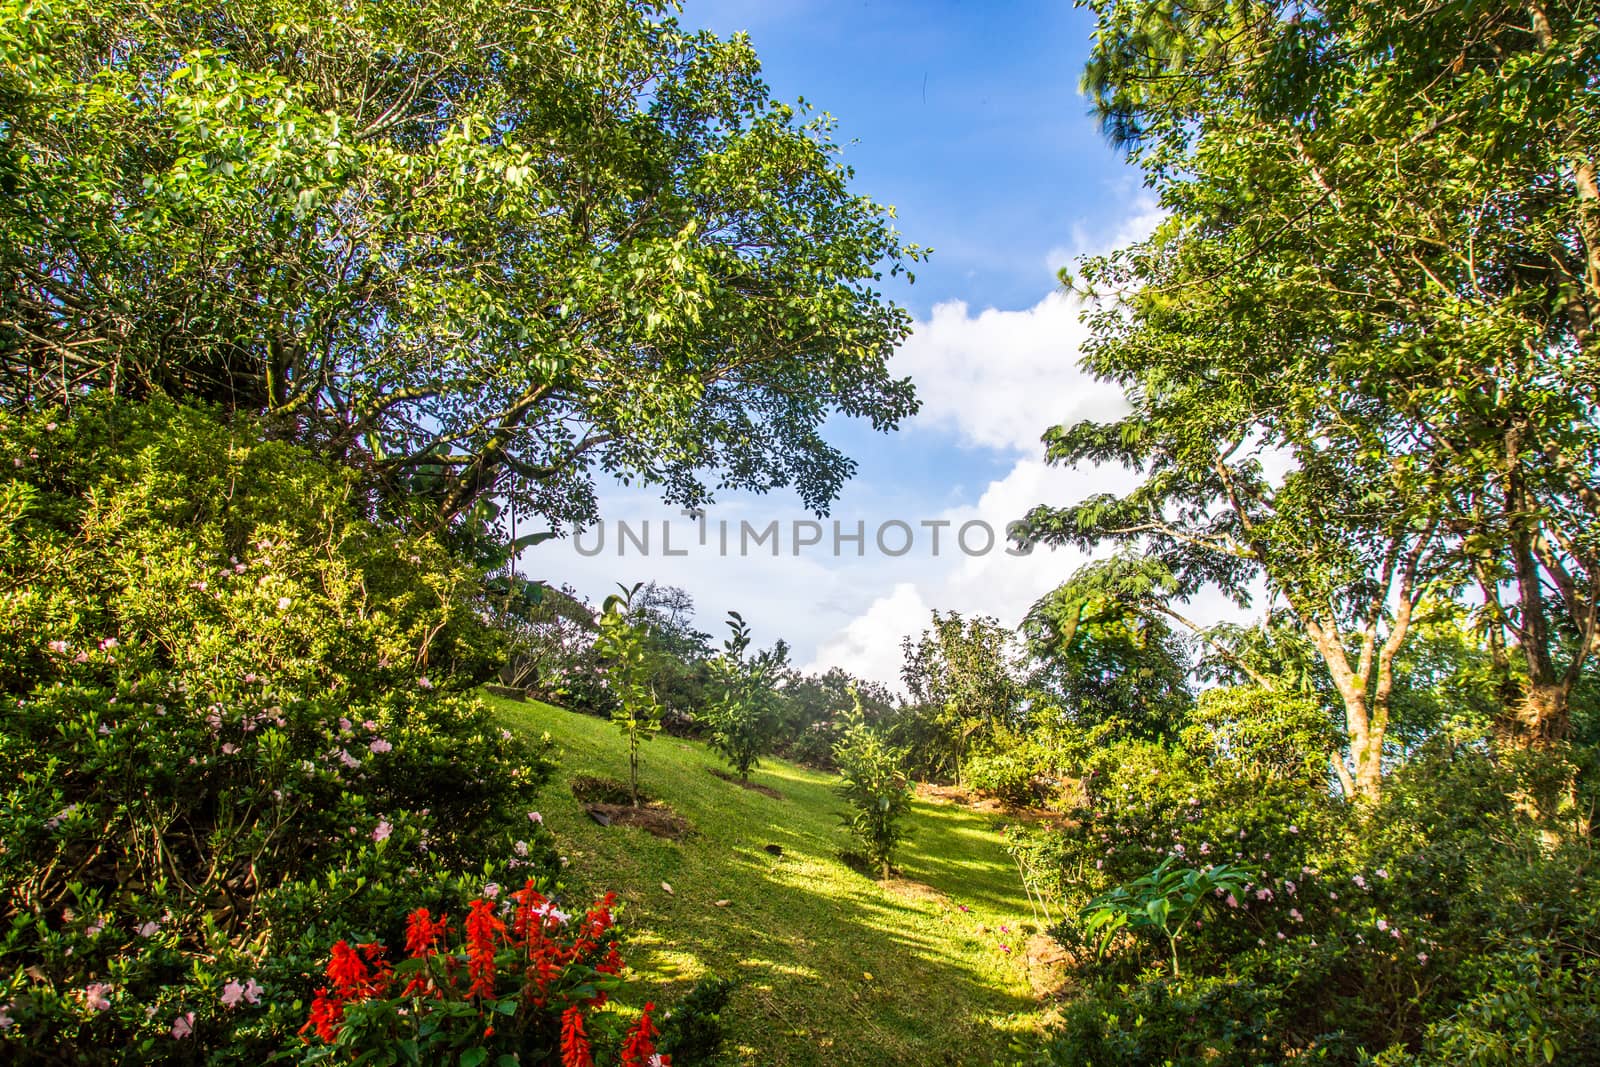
(999, 379)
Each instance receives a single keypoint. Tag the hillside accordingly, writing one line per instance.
(836, 968)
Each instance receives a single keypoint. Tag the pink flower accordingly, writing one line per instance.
(150, 929)
(252, 991)
(1361, 883)
(59, 647)
(380, 746)
(1422, 958)
(1263, 894)
(491, 891)
(183, 1025)
(1383, 924)
(1280, 935)
(229, 749)
(232, 993)
(108, 644)
(520, 848)
(1381, 873)
(348, 760)
(423, 683)
(1293, 829)
(369, 726)
(1233, 901)
(283, 603)
(94, 996)
(1294, 913)
(5, 1016)
(382, 831)
(534, 816)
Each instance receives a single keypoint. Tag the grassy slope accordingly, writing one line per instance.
(803, 931)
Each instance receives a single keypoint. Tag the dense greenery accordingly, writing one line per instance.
(471, 249)
(236, 725)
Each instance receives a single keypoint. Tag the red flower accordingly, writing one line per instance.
(326, 1013)
(640, 1043)
(484, 934)
(423, 932)
(574, 1042)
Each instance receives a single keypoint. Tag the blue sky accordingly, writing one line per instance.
(966, 118)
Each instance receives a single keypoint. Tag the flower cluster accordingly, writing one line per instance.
(523, 975)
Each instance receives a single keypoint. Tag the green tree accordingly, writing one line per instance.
(1107, 659)
(624, 646)
(473, 249)
(1378, 271)
(967, 676)
(745, 716)
(877, 789)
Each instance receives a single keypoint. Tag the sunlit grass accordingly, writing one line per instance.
(803, 932)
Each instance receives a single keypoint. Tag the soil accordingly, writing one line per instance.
(765, 790)
(655, 818)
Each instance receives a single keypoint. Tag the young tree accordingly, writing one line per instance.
(474, 248)
(624, 646)
(744, 718)
(877, 789)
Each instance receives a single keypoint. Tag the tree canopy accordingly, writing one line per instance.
(472, 248)
(1359, 348)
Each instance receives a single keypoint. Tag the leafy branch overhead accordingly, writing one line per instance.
(473, 249)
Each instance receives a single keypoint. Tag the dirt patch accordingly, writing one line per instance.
(764, 790)
(1050, 965)
(594, 789)
(655, 818)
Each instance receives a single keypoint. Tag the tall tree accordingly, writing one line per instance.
(476, 248)
(969, 676)
(1379, 271)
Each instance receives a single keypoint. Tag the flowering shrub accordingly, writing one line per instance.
(232, 706)
(1409, 932)
(520, 981)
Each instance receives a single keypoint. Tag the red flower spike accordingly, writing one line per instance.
(640, 1044)
(574, 1042)
(423, 932)
(485, 931)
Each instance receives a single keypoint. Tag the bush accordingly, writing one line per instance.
(235, 718)
(1013, 773)
(523, 983)
(878, 792)
(692, 1031)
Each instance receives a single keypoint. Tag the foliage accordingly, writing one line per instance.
(624, 648)
(817, 709)
(233, 713)
(744, 718)
(1105, 659)
(474, 249)
(877, 790)
(1165, 900)
(1378, 275)
(1440, 924)
(967, 679)
(693, 1030)
(1016, 770)
(524, 981)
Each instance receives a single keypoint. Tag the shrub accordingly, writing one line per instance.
(234, 715)
(878, 792)
(1013, 772)
(692, 1031)
(522, 982)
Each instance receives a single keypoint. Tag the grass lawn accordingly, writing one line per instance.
(836, 968)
